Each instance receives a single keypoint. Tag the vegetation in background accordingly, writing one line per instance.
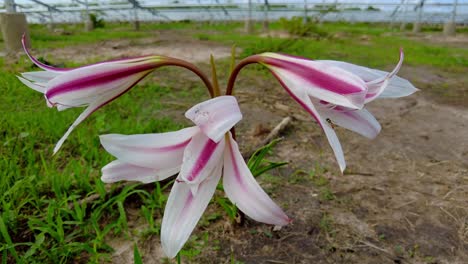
(296, 27)
(96, 21)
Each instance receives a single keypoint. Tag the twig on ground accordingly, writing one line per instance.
(272, 135)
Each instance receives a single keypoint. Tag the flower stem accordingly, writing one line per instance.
(237, 69)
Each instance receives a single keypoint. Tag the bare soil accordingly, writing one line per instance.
(402, 199)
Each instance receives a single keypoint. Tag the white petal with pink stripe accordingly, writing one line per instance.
(183, 211)
(215, 117)
(245, 192)
(156, 151)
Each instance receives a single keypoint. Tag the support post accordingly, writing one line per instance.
(450, 26)
(248, 27)
(136, 22)
(266, 8)
(88, 24)
(417, 24)
(13, 26)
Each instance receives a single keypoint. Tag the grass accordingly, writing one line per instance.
(44, 214)
(346, 42)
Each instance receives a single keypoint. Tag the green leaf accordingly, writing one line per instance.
(6, 236)
(136, 255)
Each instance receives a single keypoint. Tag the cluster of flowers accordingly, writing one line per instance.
(332, 92)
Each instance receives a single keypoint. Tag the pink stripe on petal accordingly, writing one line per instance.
(303, 100)
(292, 81)
(201, 156)
(98, 103)
(202, 160)
(183, 211)
(157, 151)
(93, 78)
(244, 191)
(319, 74)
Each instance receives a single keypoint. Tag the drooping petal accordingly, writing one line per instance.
(320, 80)
(63, 107)
(377, 86)
(183, 211)
(121, 171)
(88, 111)
(35, 86)
(398, 87)
(380, 87)
(244, 191)
(201, 156)
(40, 76)
(301, 97)
(83, 85)
(215, 117)
(155, 151)
(92, 107)
(360, 121)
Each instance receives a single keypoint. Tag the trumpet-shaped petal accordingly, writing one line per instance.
(320, 80)
(154, 151)
(398, 87)
(335, 92)
(183, 211)
(201, 156)
(244, 191)
(381, 84)
(201, 160)
(92, 86)
(215, 117)
(301, 97)
(359, 121)
(40, 76)
(119, 171)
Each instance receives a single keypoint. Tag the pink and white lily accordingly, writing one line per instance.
(92, 86)
(202, 154)
(335, 92)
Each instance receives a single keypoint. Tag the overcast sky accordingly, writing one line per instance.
(240, 1)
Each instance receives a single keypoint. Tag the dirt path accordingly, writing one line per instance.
(178, 45)
(403, 198)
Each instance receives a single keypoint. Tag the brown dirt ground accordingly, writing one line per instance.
(402, 199)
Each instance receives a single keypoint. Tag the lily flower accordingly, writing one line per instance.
(93, 85)
(333, 92)
(202, 154)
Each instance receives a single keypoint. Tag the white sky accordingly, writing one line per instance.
(244, 1)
